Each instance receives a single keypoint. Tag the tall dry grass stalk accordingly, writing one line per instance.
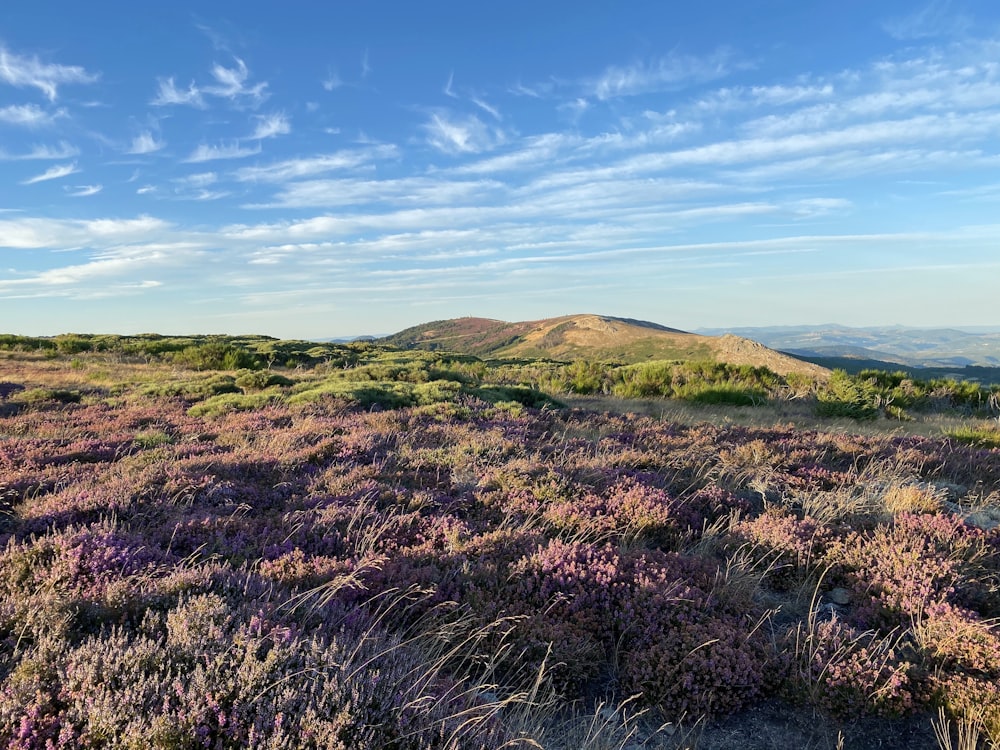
(967, 733)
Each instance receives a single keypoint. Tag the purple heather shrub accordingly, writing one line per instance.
(216, 675)
(707, 667)
(847, 671)
(790, 546)
(82, 562)
(571, 595)
(627, 510)
(959, 640)
(912, 566)
(708, 504)
(174, 581)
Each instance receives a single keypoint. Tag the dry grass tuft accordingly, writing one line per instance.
(912, 498)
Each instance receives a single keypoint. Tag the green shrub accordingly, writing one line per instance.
(48, 395)
(230, 402)
(194, 390)
(730, 395)
(386, 395)
(215, 355)
(151, 439)
(982, 437)
(846, 396)
(258, 380)
(436, 391)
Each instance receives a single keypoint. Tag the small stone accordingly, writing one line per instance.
(982, 520)
(840, 596)
(950, 490)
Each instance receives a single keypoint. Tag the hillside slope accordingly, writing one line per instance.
(593, 337)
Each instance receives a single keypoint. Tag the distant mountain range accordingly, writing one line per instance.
(911, 347)
(592, 337)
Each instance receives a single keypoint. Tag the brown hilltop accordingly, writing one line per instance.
(596, 338)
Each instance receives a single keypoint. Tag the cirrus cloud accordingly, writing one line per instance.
(31, 72)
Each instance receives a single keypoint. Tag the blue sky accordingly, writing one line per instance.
(325, 169)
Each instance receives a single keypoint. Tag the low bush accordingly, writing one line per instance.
(47, 395)
(229, 402)
(259, 380)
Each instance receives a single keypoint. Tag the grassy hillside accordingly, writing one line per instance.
(593, 338)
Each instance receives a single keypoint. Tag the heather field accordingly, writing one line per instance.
(337, 552)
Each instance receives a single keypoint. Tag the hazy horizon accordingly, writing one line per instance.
(313, 172)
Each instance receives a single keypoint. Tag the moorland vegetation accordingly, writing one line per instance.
(244, 542)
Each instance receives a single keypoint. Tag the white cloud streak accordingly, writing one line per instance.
(22, 72)
(84, 191)
(62, 150)
(293, 169)
(168, 93)
(932, 19)
(233, 150)
(460, 135)
(29, 116)
(230, 83)
(667, 73)
(269, 126)
(53, 173)
(56, 234)
(145, 143)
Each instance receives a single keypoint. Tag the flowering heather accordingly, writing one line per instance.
(791, 547)
(315, 574)
(913, 565)
(848, 671)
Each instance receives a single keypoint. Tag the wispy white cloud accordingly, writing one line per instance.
(145, 143)
(575, 107)
(195, 187)
(667, 73)
(486, 107)
(460, 134)
(534, 91)
(146, 190)
(812, 207)
(922, 128)
(269, 126)
(231, 83)
(201, 179)
(366, 67)
(413, 191)
(735, 98)
(292, 169)
(332, 81)
(209, 195)
(934, 18)
(46, 77)
(53, 173)
(62, 150)
(533, 150)
(83, 191)
(59, 234)
(234, 150)
(168, 93)
(29, 115)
